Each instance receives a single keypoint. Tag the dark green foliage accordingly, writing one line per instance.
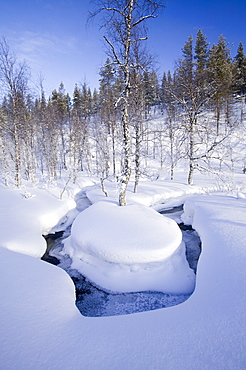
(239, 71)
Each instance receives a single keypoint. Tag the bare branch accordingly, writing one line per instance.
(113, 50)
(139, 39)
(215, 144)
(143, 19)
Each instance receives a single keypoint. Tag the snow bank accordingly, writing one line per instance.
(37, 302)
(158, 194)
(27, 214)
(129, 249)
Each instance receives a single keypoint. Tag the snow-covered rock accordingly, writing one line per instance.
(129, 249)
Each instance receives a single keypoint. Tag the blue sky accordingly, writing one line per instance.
(53, 37)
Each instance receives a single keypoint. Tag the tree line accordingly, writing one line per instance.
(133, 119)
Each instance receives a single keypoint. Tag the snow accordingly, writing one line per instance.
(129, 249)
(133, 234)
(24, 219)
(42, 328)
(151, 193)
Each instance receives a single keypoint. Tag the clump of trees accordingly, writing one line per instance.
(205, 81)
(133, 119)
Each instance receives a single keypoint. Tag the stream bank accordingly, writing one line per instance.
(93, 301)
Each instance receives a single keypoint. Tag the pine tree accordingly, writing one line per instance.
(187, 61)
(201, 58)
(193, 91)
(201, 51)
(95, 102)
(106, 94)
(151, 90)
(239, 71)
(220, 75)
(77, 100)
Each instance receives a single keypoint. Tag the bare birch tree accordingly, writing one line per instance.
(13, 78)
(124, 21)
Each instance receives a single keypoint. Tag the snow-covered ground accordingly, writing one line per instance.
(41, 328)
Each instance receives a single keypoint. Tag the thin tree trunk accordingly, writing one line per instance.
(218, 117)
(126, 153)
(113, 148)
(125, 118)
(171, 137)
(18, 179)
(191, 154)
(103, 187)
(191, 172)
(137, 158)
(4, 159)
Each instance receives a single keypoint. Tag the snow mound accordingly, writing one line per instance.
(129, 249)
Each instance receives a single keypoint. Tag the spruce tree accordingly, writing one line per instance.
(239, 71)
(192, 92)
(151, 90)
(201, 58)
(220, 75)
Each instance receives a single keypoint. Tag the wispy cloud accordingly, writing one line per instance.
(30, 43)
(34, 42)
(57, 57)
(37, 48)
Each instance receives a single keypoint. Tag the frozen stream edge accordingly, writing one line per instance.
(95, 302)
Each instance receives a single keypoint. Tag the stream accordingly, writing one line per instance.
(93, 301)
